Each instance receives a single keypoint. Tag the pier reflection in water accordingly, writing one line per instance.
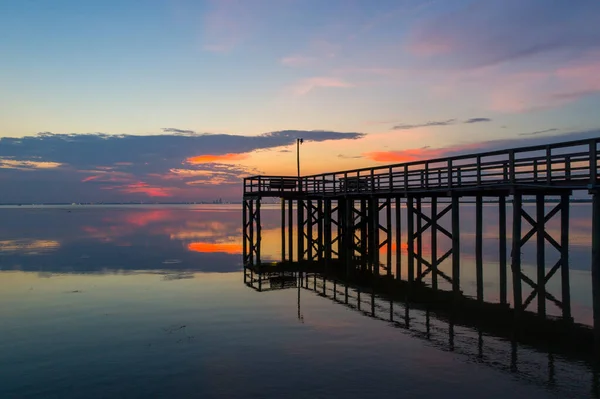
(149, 301)
(563, 373)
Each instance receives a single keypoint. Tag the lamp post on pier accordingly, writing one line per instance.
(298, 142)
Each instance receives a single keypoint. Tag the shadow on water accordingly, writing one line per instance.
(544, 361)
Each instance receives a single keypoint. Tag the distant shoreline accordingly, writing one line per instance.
(486, 201)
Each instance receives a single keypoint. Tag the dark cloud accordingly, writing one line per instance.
(180, 131)
(447, 122)
(100, 167)
(477, 120)
(538, 132)
(497, 31)
(434, 123)
(349, 156)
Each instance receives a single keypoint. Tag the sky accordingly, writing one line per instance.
(177, 100)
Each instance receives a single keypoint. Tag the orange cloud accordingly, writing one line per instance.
(228, 248)
(402, 156)
(417, 154)
(216, 158)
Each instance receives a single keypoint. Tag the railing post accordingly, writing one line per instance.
(478, 170)
(450, 173)
(259, 184)
(593, 164)
(548, 166)
(405, 178)
(345, 182)
(372, 180)
(391, 180)
(511, 166)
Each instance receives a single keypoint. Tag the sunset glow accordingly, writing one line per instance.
(216, 158)
(358, 89)
(228, 248)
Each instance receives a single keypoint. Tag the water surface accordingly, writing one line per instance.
(149, 301)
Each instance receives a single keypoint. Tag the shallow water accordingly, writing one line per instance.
(150, 302)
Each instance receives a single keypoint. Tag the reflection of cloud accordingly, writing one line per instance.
(28, 246)
(228, 248)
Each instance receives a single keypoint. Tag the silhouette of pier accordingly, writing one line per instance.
(352, 220)
(488, 341)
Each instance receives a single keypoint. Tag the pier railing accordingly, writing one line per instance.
(571, 165)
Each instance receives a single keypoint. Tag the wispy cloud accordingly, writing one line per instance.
(305, 86)
(174, 130)
(507, 30)
(427, 124)
(477, 120)
(297, 61)
(538, 132)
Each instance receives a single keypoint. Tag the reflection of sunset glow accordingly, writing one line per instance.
(228, 247)
(28, 246)
(190, 235)
(216, 158)
(147, 217)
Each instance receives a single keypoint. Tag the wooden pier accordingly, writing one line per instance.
(353, 218)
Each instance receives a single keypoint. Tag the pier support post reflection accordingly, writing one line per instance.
(291, 230)
(455, 246)
(596, 268)
(541, 254)
(502, 248)
(300, 229)
(516, 252)
(398, 239)
(410, 219)
(479, 246)
(283, 258)
(433, 230)
(564, 256)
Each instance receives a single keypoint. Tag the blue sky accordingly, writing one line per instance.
(406, 74)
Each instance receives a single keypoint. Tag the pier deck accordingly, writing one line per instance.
(356, 218)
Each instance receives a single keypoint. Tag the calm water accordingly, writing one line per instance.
(138, 302)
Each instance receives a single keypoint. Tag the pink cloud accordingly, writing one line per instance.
(417, 154)
(144, 188)
(305, 86)
(297, 61)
